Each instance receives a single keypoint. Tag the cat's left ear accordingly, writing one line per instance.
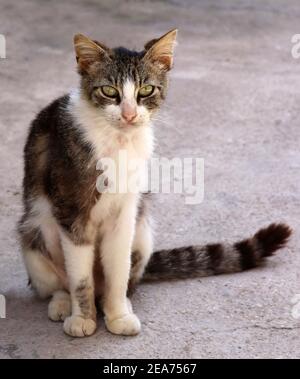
(161, 50)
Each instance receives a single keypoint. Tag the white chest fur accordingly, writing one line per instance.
(135, 145)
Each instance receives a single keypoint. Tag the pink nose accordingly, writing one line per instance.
(129, 116)
(128, 112)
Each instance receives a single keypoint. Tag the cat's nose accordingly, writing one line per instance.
(129, 113)
(129, 117)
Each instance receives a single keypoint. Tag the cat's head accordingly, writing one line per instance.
(126, 87)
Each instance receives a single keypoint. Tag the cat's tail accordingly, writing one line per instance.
(213, 259)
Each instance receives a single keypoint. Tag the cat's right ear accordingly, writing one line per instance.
(88, 52)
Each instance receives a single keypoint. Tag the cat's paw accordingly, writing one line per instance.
(77, 326)
(59, 308)
(128, 325)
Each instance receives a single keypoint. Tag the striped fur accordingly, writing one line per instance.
(214, 259)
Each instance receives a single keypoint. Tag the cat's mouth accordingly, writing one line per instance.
(122, 124)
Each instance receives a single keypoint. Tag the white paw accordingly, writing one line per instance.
(128, 325)
(77, 326)
(59, 309)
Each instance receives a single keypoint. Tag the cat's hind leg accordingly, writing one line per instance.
(47, 282)
(41, 248)
(41, 272)
(59, 307)
(44, 260)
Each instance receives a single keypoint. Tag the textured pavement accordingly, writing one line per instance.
(234, 100)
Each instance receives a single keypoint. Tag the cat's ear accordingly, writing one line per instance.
(88, 51)
(161, 50)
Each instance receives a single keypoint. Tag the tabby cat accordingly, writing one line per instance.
(80, 244)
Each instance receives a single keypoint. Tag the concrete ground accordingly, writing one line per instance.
(234, 100)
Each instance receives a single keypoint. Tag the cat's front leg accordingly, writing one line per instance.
(116, 260)
(79, 261)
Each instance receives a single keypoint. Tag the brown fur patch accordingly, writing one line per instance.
(84, 294)
(65, 174)
(247, 254)
(216, 255)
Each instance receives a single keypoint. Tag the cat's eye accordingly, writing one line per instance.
(109, 91)
(146, 90)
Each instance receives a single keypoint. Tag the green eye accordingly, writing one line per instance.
(109, 91)
(146, 90)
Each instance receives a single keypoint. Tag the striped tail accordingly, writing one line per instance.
(214, 259)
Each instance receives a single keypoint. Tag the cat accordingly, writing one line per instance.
(80, 244)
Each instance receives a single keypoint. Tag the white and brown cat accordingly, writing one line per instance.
(80, 244)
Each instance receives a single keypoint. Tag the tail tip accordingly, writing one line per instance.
(273, 237)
